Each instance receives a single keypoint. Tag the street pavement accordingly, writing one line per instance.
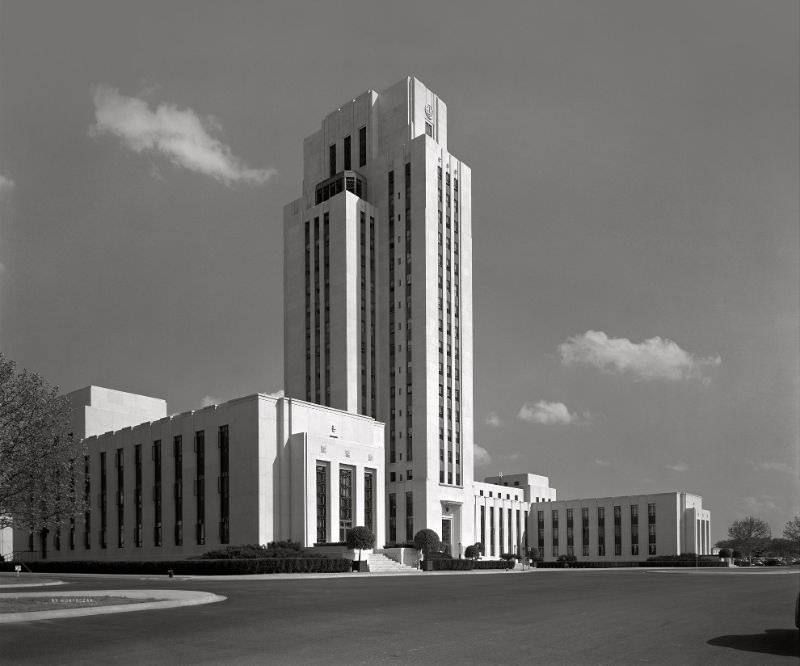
(544, 616)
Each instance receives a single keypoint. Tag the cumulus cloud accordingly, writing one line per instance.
(761, 504)
(179, 134)
(6, 183)
(492, 419)
(481, 455)
(655, 358)
(602, 463)
(546, 412)
(679, 466)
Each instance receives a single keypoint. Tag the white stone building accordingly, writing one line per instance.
(252, 470)
(625, 528)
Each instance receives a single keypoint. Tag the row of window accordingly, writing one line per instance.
(601, 531)
(347, 152)
(506, 519)
(409, 517)
(120, 496)
(346, 501)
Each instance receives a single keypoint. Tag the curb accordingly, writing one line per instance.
(167, 599)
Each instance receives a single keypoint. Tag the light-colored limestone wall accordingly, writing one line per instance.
(96, 410)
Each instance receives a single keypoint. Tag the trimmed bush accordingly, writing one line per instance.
(279, 549)
(725, 552)
(200, 567)
(493, 564)
(427, 541)
(360, 537)
(468, 565)
(400, 544)
(472, 552)
(438, 555)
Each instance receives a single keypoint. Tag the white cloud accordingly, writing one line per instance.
(546, 412)
(760, 504)
(481, 455)
(276, 394)
(492, 419)
(209, 400)
(678, 467)
(774, 466)
(6, 183)
(655, 358)
(179, 134)
(602, 463)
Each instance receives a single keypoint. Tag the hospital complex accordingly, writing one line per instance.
(376, 423)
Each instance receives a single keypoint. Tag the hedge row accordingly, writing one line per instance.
(194, 567)
(469, 565)
(615, 565)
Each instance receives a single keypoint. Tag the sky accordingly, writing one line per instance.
(636, 239)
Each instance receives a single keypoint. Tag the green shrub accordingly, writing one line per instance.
(360, 537)
(427, 541)
(472, 552)
(203, 566)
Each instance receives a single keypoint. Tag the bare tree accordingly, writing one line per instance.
(39, 457)
(749, 534)
(792, 532)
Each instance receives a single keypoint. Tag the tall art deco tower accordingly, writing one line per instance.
(378, 297)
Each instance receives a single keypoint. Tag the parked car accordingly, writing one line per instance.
(774, 562)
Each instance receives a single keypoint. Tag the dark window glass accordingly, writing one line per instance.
(362, 146)
(224, 485)
(322, 503)
(332, 156)
(347, 165)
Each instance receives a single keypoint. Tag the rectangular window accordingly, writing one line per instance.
(362, 146)
(369, 500)
(601, 531)
(87, 496)
(500, 524)
(177, 457)
(617, 530)
(540, 531)
(483, 525)
(651, 529)
(409, 516)
(585, 531)
(347, 165)
(137, 495)
(392, 518)
(332, 156)
(634, 529)
(224, 485)
(200, 486)
(555, 532)
(322, 503)
(120, 498)
(429, 129)
(157, 492)
(570, 532)
(345, 502)
(491, 531)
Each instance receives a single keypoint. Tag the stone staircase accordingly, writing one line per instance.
(381, 564)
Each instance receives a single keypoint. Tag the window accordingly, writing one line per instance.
(617, 530)
(120, 498)
(87, 496)
(362, 146)
(392, 517)
(555, 532)
(177, 456)
(347, 165)
(369, 499)
(540, 531)
(345, 502)
(409, 516)
(585, 531)
(601, 531)
(223, 485)
(483, 524)
(332, 158)
(137, 495)
(200, 486)
(157, 492)
(570, 533)
(634, 529)
(429, 129)
(651, 529)
(322, 503)
(491, 530)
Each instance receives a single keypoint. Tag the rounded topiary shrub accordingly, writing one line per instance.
(725, 552)
(360, 537)
(472, 552)
(427, 541)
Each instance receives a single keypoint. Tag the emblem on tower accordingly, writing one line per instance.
(428, 111)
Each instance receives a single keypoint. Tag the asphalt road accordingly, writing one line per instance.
(545, 617)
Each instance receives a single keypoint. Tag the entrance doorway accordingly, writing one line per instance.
(447, 535)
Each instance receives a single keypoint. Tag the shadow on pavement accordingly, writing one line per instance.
(772, 641)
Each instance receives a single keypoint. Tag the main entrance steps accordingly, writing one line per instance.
(379, 563)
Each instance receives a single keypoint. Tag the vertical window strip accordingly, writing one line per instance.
(177, 458)
(372, 308)
(345, 502)
(157, 511)
(409, 516)
(137, 496)
(369, 500)
(308, 307)
(120, 498)
(392, 315)
(326, 263)
(408, 301)
(322, 503)
(317, 359)
(200, 486)
(224, 485)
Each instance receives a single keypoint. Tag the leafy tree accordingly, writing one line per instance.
(38, 454)
(725, 552)
(360, 537)
(781, 547)
(749, 535)
(792, 532)
(427, 541)
(536, 556)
